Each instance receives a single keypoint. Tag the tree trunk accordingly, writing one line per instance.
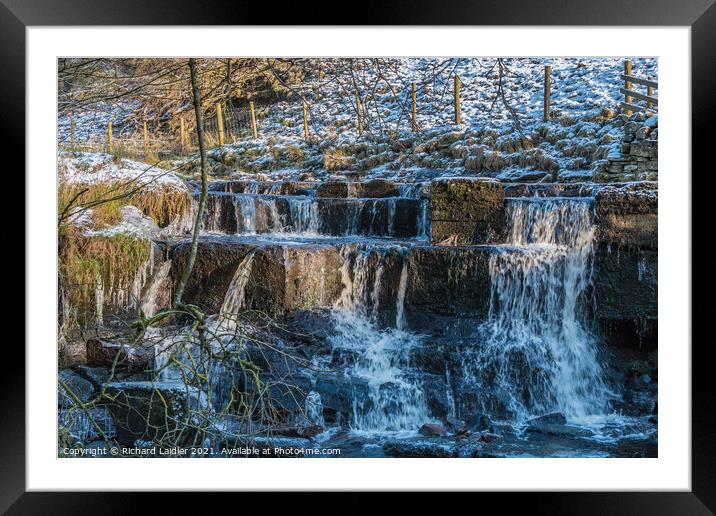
(204, 189)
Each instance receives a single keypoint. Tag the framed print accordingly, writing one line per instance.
(419, 258)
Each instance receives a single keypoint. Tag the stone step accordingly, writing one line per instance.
(247, 213)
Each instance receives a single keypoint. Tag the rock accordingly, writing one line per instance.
(479, 423)
(433, 430)
(95, 375)
(307, 431)
(280, 279)
(562, 430)
(638, 448)
(652, 122)
(74, 387)
(471, 209)
(86, 426)
(556, 418)
(488, 437)
(167, 413)
(627, 215)
(446, 281)
(626, 287)
(435, 447)
(375, 188)
(105, 353)
(642, 133)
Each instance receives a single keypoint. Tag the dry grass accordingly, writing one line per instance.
(86, 261)
(163, 204)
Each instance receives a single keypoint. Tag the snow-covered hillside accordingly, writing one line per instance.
(502, 133)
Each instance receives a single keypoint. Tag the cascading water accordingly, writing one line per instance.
(537, 353)
(236, 293)
(395, 401)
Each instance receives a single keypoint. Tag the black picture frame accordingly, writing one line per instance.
(700, 15)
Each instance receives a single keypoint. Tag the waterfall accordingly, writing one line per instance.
(305, 217)
(245, 206)
(236, 293)
(379, 357)
(158, 281)
(537, 353)
(400, 298)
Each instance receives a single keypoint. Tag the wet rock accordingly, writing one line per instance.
(556, 418)
(71, 386)
(446, 281)
(169, 413)
(488, 437)
(626, 286)
(380, 188)
(303, 430)
(220, 213)
(435, 447)
(375, 188)
(479, 423)
(639, 403)
(103, 353)
(275, 446)
(638, 448)
(87, 425)
(466, 211)
(433, 430)
(627, 215)
(555, 424)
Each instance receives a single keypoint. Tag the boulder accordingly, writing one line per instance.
(104, 353)
(72, 387)
(167, 413)
(433, 430)
(435, 447)
(467, 211)
(87, 425)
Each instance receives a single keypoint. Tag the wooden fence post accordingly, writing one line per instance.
(650, 93)
(358, 111)
(627, 85)
(110, 145)
(146, 140)
(182, 136)
(72, 133)
(414, 111)
(254, 130)
(220, 123)
(547, 90)
(458, 118)
(305, 121)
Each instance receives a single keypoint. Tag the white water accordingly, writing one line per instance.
(394, 401)
(538, 354)
(236, 293)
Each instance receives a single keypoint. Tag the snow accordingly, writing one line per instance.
(582, 89)
(92, 168)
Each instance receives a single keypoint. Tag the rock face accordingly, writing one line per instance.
(466, 211)
(447, 281)
(375, 188)
(171, 413)
(626, 255)
(280, 279)
(627, 215)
